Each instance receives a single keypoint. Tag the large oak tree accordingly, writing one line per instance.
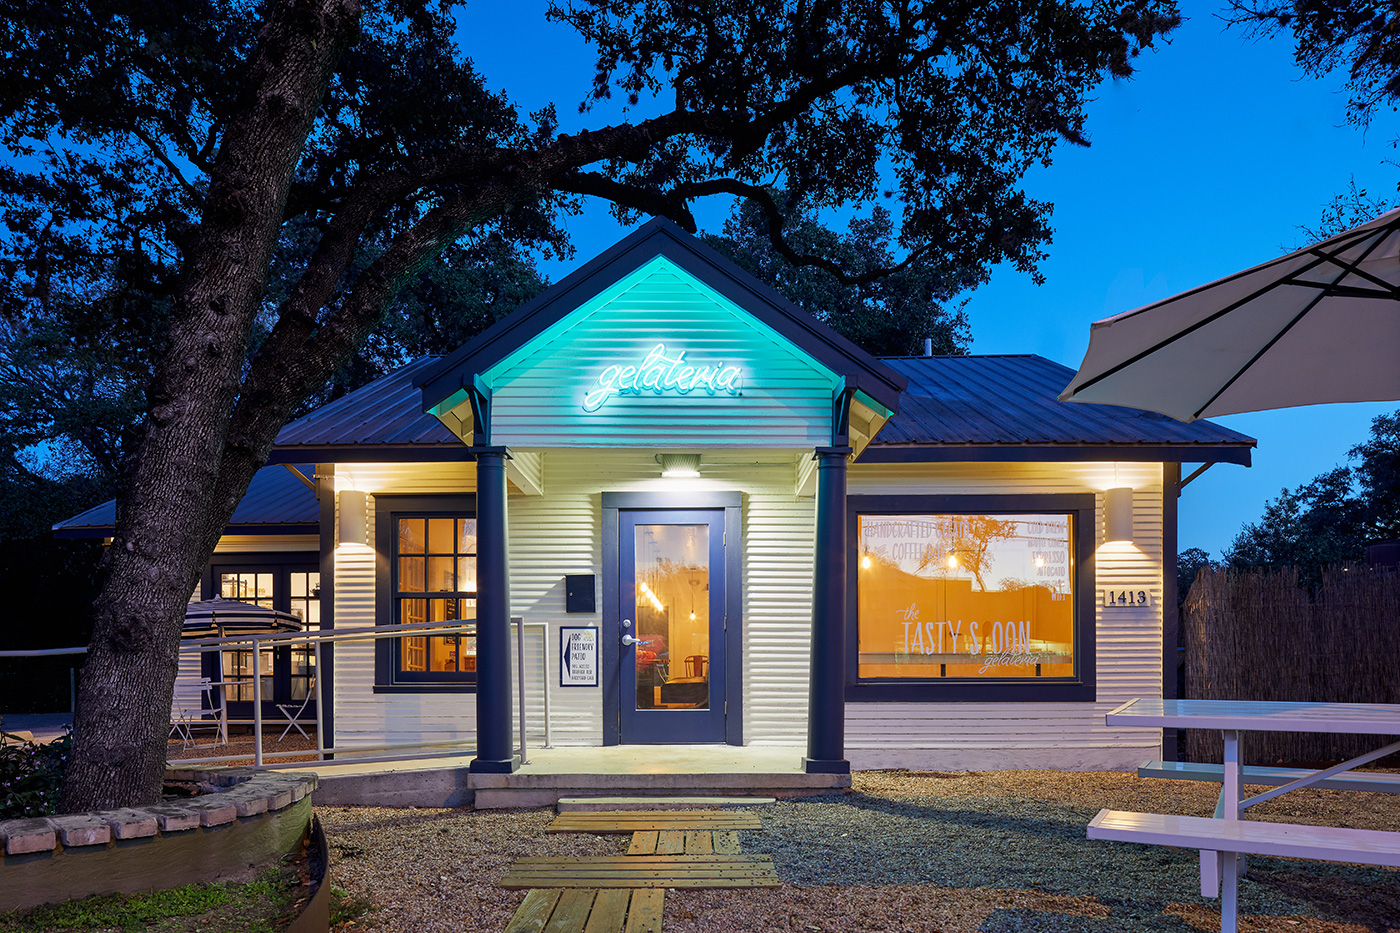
(209, 127)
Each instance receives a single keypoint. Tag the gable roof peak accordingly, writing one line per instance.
(659, 237)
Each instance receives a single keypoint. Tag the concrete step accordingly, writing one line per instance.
(450, 784)
(653, 802)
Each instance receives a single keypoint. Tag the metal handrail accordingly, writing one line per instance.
(316, 639)
(544, 675)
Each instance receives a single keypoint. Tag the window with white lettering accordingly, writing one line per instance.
(965, 596)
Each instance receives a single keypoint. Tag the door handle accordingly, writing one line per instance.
(629, 640)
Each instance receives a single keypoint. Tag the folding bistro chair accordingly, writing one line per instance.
(293, 713)
(192, 701)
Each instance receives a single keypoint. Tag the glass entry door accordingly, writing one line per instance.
(671, 576)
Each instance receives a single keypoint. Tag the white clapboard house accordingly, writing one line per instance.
(721, 523)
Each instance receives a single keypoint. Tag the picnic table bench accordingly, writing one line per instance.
(1249, 837)
(1368, 781)
(1225, 839)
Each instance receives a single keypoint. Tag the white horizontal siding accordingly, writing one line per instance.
(537, 394)
(1128, 643)
(260, 544)
(363, 717)
(779, 537)
(407, 478)
(366, 718)
(560, 533)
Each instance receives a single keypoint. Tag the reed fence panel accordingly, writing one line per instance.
(1260, 635)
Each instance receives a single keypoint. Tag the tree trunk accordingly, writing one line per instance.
(169, 517)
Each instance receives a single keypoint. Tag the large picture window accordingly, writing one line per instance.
(971, 598)
(427, 548)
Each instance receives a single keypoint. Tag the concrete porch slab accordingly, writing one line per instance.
(552, 773)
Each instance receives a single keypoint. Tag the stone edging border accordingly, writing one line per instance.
(248, 793)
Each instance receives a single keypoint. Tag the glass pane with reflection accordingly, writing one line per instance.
(672, 616)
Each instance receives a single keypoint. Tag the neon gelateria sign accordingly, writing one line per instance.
(663, 374)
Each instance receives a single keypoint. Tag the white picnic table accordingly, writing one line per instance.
(1233, 838)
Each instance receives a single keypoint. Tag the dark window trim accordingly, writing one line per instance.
(387, 509)
(1081, 506)
(237, 561)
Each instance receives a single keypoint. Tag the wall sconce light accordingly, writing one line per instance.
(679, 464)
(1118, 514)
(354, 517)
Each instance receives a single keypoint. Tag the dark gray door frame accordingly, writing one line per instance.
(610, 633)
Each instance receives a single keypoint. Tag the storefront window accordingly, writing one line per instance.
(962, 599)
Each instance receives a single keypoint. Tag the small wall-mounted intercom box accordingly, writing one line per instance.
(579, 590)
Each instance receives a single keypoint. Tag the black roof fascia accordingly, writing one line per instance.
(373, 453)
(1058, 453)
(290, 528)
(659, 237)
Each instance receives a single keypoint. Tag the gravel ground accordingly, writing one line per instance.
(933, 852)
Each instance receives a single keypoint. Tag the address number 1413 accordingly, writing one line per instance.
(1125, 598)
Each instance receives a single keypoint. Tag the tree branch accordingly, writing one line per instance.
(654, 201)
(763, 197)
(159, 152)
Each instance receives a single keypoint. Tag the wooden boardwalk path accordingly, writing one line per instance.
(624, 893)
(586, 911)
(631, 821)
(687, 841)
(643, 871)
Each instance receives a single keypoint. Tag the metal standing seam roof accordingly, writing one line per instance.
(981, 402)
(276, 501)
(388, 411)
(1006, 400)
(1012, 400)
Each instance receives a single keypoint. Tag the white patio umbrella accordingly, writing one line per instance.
(1321, 324)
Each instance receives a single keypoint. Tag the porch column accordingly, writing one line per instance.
(495, 744)
(826, 698)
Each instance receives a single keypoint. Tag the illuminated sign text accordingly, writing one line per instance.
(660, 373)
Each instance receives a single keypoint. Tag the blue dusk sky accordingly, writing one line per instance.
(1207, 162)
